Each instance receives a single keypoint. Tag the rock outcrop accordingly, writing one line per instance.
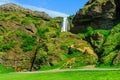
(31, 40)
(99, 14)
(16, 8)
(19, 36)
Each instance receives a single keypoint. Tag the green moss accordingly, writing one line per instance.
(112, 41)
(108, 60)
(5, 47)
(42, 30)
(28, 42)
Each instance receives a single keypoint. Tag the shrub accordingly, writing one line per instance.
(91, 31)
(28, 41)
(42, 30)
(6, 46)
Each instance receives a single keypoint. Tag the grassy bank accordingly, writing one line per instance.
(78, 75)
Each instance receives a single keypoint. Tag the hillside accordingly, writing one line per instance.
(99, 23)
(32, 40)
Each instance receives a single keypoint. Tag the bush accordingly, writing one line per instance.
(91, 31)
(6, 46)
(41, 31)
(28, 41)
(28, 44)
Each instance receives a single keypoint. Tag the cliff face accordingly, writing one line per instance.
(99, 14)
(31, 40)
(19, 36)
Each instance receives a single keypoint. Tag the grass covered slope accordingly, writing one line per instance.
(105, 44)
(21, 31)
(31, 40)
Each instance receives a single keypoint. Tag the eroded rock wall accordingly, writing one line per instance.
(99, 14)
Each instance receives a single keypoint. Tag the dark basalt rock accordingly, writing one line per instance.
(97, 14)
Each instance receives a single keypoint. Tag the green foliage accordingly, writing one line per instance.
(91, 31)
(108, 60)
(70, 19)
(28, 41)
(41, 54)
(48, 67)
(96, 38)
(56, 44)
(4, 16)
(15, 18)
(30, 19)
(65, 44)
(26, 21)
(112, 41)
(42, 30)
(1, 17)
(5, 70)
(21, 34)
(3, 30)
(6, 41)
(6, 46)
(116, 29)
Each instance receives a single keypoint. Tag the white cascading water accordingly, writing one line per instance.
(65, 25)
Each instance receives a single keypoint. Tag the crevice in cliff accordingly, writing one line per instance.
(33, 60)
(34, 56)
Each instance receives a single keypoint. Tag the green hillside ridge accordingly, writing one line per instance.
(32, 40)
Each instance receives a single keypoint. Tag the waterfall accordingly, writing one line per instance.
(65, 25)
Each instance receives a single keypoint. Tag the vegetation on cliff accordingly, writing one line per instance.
(32, 40)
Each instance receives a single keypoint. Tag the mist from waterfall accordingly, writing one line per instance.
(65, 25)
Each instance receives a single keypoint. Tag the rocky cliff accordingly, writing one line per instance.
(99, 14)
(18, 35)
(31, 40)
